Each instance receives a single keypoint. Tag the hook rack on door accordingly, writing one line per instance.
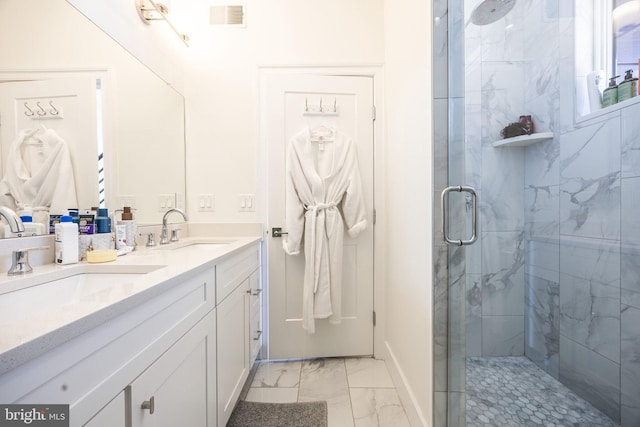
(36, 111)
(320, 109)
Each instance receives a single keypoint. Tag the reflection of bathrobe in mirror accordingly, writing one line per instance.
(323, 194)
(38, 173)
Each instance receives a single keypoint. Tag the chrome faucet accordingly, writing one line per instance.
(164, 238)
(14, 221)
(20, 261)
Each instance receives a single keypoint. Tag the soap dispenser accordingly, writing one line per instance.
(628, 88)
(130, 226)
(610, 95)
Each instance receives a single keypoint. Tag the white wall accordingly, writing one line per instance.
(407, 36)
(221, 85)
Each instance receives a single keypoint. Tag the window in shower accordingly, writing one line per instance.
(607, 44)
(625, 18)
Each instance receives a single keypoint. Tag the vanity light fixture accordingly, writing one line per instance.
(150, 11)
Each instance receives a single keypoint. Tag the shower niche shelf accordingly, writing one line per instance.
(524, 140)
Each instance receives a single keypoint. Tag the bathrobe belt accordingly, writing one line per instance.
(316, 210)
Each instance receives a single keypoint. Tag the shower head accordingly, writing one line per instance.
(490, 11)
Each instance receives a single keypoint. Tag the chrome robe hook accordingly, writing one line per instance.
(29, 111)
(41, 111)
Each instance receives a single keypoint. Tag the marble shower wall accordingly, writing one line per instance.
(556, 272)
(495, 93)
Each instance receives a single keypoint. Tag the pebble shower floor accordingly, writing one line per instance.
(513, 391)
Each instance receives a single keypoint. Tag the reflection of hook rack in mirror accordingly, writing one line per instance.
(320, 109)
(41, 113)
(53, 111)
(28, 112)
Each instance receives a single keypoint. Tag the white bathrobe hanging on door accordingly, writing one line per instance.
(323, 194)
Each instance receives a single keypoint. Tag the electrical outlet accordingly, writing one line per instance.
(206, 203)
(247, 203)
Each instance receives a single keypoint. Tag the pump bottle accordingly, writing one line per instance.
(610, 95)
(628, 88)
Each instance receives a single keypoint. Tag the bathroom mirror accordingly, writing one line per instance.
(139, 118)
(607, 44)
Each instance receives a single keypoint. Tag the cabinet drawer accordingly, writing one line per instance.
(232, 272)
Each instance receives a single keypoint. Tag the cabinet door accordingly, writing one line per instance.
(173, 390)
(255, 316)
(232, 350)
(112, 415)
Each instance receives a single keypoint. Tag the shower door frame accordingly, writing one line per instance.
(449, 317)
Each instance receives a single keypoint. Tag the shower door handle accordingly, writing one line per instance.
(444, 213)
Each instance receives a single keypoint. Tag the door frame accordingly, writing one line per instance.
(375, 72)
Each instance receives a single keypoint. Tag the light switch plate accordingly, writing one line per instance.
(246, 203)
(166, 201)
(206, 203)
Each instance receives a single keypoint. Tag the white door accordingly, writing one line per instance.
(287, 101)
(32, 104)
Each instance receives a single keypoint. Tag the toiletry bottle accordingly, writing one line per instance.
(593, 90)
(73, 213)
(610, 95)
(103, 223)
(628, 88)
(130, 226)
(66, 244)
(30, 228)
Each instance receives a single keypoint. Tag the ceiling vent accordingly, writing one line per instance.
(227, 15)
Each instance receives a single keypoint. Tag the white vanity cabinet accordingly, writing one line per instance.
(177, 389)
(255, 316)
(233, 278)
(91, 371)
(174, 390)
(177, 355)
(114, 414)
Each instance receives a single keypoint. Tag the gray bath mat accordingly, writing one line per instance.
(259, 414)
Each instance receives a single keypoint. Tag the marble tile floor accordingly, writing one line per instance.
(513, 391)
(359, 391)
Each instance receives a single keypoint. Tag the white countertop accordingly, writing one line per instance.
(28, 333)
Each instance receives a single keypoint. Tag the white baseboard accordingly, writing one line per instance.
(407, 397)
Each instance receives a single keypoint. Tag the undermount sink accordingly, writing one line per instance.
(33, 305)
(198, 245)
(28, 295)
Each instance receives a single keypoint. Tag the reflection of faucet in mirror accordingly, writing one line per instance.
(14, 221)
(164, 239)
